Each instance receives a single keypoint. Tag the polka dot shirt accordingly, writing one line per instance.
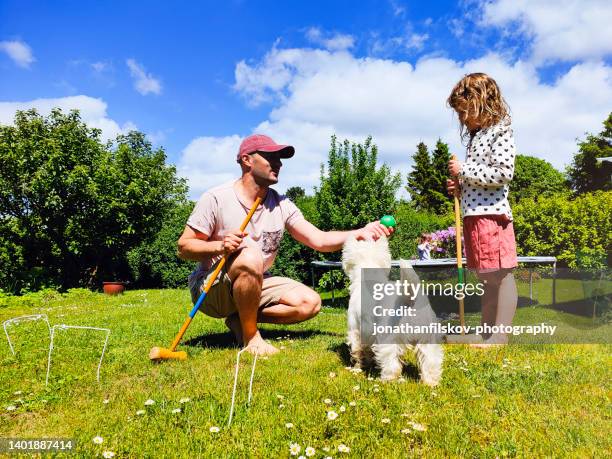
(487, 171)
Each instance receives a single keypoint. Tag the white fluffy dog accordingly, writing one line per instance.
(387, 355)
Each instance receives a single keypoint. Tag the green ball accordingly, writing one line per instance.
(388, 221)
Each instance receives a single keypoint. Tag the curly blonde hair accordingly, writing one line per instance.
(477, 96)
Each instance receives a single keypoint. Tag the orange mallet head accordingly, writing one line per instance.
(161, 353)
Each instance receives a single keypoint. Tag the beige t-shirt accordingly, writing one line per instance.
(220, 210)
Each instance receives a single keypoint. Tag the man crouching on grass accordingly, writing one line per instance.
(244, 293)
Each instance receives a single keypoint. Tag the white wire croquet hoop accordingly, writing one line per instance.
(66, 327)
(231, 413)
(16, 320)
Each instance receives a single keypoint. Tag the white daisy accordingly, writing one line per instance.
(326, 449)
(149, 402)
(17, 392)
(185, 400)
(280, 397)
(11, 408)
(376, 389)
(327, 401)
(418, 427)
(106, 401)
(310, 451)
(294, 449)
(289, 425)
(108, 454)
(385, 420)
(405, 431)
(342, 409)
(281, 406)
(352, 403)
(140, 412)
(98, 440)
(343, 448)
(214, 429)
(331, 415)
(332, 374)
(176, 410)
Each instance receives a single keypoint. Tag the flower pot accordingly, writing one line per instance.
(113, 288)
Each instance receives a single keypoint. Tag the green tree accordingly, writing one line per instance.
(354, 190)
(420, 179)
(439, 200)
(586, 173)
(70, 206)
(295, 192)
(535, 177)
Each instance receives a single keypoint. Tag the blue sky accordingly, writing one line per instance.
(198, 76)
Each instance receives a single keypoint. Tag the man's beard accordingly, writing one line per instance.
(265, 180)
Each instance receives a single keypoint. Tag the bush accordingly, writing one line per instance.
(445, 243)
(410, 225)
(578, 232)
(155, 264)
(293, 258)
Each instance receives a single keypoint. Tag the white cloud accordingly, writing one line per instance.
(19, 51)
(565, 30)
(100, 67)
(333, 42)
(209, 161)
(398, 9)
(417, 41)
(92, 110)
(317, 92)
(144, 82)
(410, 42)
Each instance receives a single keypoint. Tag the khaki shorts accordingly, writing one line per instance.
(219, 301)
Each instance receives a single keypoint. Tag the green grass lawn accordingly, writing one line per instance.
(524, 400)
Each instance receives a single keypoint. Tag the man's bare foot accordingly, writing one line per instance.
(258, 346)
(233, 323)
(492, 341)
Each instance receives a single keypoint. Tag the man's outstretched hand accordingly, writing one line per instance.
(373, 231)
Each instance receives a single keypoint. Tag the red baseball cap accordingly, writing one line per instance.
(263, 143)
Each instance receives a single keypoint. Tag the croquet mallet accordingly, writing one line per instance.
(460, 271)
(160, 353)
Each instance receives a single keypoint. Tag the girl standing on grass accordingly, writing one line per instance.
(483, 180)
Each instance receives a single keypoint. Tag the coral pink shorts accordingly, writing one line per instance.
(489, 242)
